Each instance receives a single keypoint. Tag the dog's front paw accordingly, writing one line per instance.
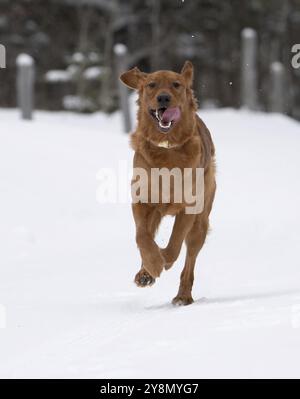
(143, 279)
(182, 300)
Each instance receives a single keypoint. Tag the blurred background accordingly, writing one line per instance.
(72, 43)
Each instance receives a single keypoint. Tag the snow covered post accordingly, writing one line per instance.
(25, 85)
(2, 56)
(248, 69)
(277, 88)
(120, 51)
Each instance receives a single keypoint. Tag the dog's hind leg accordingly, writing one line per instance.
(194, 242)
(143, 278)
(183, 224)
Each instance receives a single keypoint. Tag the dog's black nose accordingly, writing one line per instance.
(163, 99)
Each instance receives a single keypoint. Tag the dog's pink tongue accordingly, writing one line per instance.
(171, 115)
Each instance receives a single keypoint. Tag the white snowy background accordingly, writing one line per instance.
(68, 305)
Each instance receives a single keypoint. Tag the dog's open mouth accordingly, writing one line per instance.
(165, 117)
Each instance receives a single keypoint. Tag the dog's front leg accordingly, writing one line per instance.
(183, 224)
(152, 259)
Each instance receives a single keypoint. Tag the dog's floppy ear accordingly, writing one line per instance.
(188, 72)
(133, 78)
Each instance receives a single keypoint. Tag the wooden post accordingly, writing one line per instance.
(249, 69)
(2, 56)
(25, 85)
(277, 92)
(155, 33)
(120, 51)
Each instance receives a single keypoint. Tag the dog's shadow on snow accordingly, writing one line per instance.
(228, 300)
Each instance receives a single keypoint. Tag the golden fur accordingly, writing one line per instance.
(189, 145)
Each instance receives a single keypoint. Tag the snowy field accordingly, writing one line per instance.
(67, 262)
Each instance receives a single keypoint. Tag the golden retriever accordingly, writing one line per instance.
(169, 136)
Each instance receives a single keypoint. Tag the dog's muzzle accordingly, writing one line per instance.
(166, 117)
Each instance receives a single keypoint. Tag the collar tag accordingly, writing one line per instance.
(163, 144)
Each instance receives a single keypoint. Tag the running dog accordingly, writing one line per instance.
(170, 134)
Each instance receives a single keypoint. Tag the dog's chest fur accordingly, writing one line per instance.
(186, 158)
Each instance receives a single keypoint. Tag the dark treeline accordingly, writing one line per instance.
(72, 44)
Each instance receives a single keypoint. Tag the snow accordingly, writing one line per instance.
(24, 59)
(57, 75)
(77, 103)
(2, 316)
(277, 67)
(68, 305)
(78, 57)
(92, 73)
(248, 33)
(120, 49)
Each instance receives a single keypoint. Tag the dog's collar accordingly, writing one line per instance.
(166, 144)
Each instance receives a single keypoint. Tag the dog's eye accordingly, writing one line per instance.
(152, 85)
(176, 85)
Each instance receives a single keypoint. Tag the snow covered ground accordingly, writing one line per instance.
(67, 262)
